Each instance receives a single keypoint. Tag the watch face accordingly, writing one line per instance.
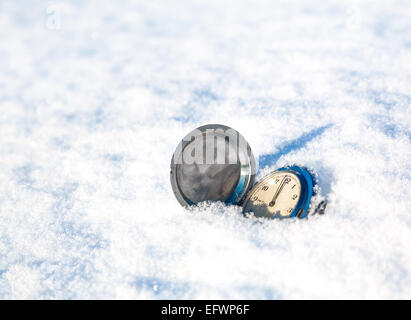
(212, 163)
(277, 195)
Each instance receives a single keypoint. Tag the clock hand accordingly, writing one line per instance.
(277, 193)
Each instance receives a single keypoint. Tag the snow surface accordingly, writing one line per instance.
(96, 95)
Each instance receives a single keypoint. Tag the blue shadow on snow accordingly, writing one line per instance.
(287, 147)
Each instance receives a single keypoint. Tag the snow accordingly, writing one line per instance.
(96, 95)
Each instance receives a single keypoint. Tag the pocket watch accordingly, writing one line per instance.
(284, 193)
(215, 163)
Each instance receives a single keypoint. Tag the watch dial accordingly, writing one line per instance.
(277, 195)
